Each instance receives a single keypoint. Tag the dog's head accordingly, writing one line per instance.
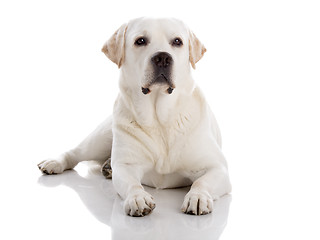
(154, 53)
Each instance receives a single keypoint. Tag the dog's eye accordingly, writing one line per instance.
(142, 41)
(177, 42)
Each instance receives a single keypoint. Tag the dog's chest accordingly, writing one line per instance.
(167, 146)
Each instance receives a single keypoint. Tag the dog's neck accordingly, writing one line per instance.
(151, 109)
(159, 108)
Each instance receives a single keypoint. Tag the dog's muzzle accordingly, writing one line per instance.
(162, 66)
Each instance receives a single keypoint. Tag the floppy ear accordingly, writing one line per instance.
(196, 49)
(114, 47)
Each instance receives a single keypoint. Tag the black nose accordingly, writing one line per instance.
(162, 60)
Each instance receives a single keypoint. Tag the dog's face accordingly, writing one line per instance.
(154, 53)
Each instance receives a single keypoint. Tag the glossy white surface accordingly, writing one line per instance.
(166, 221)
(260, 75)
(81, 204)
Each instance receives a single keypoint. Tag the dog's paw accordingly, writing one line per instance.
(139, 204)
(197, 203)
(106, 169)
(51, 166)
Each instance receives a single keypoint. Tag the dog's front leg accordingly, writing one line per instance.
(127, 181)
(209, 187)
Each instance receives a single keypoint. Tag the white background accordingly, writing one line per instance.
(261, 76)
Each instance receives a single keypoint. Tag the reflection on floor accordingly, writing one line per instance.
(166, 221)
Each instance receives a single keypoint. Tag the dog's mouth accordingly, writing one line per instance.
(162, 80)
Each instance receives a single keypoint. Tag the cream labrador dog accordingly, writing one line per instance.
(162, 132)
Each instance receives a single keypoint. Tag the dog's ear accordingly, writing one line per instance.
(196, 49)
(114, 47)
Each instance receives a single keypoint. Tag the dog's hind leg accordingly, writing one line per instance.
(96, 147)
(106, 169)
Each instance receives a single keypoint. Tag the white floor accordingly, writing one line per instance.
(82, 204)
